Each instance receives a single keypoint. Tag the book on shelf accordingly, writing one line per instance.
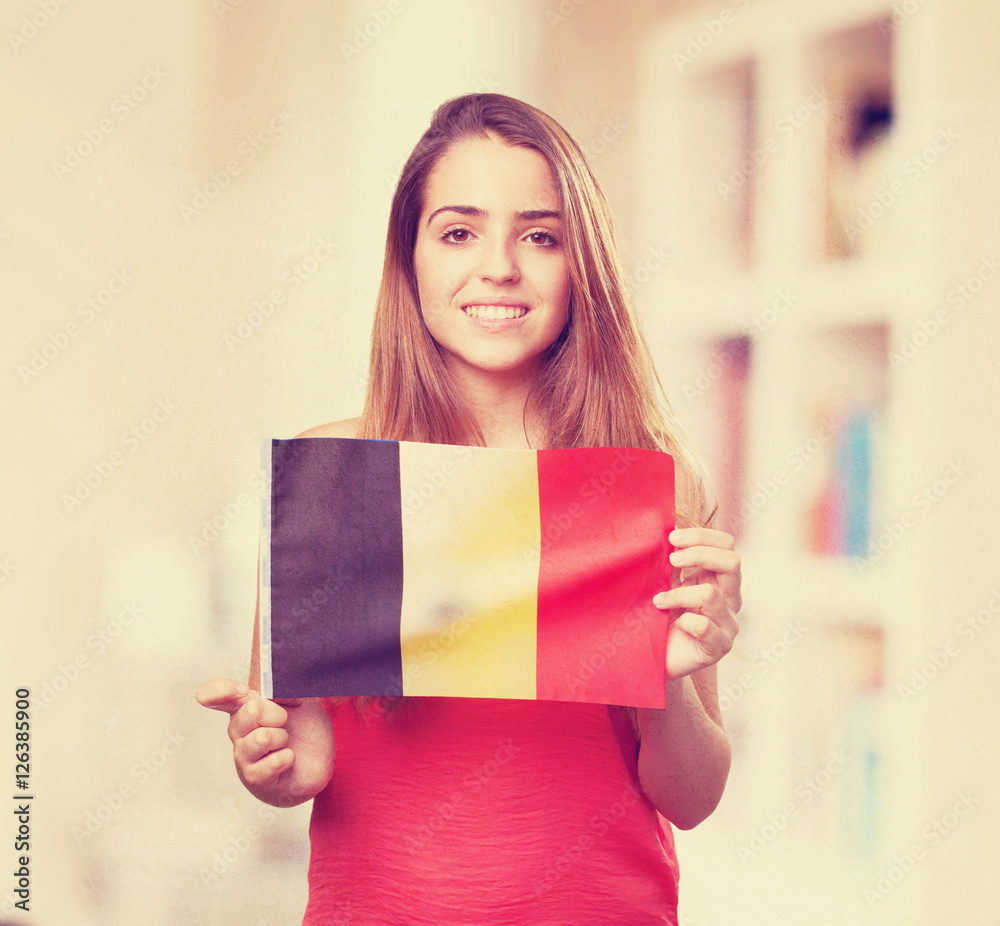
(839, 521)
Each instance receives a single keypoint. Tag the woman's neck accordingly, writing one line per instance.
(497, 403)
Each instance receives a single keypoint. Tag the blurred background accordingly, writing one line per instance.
(192, 218)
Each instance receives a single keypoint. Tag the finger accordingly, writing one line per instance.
(701, 536)
(705, 557)
(259, 743)
(266, 770)
(704, 605)
(727, 583)
(256, 713)
(691, 597)
(727, 624)
(710, 637)
(222, 694)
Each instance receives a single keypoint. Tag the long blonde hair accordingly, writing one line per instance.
(598, 387)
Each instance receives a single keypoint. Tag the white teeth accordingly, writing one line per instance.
(495, 311)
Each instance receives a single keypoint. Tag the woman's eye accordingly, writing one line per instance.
(457, 235)
(542, 237)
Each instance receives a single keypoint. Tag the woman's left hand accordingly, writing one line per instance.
(705, 601)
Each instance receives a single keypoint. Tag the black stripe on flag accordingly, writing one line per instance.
(336, 568)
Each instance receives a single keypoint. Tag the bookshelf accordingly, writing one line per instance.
(790, 172)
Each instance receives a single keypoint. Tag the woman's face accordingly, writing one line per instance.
(491, 269)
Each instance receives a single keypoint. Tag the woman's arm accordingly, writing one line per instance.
(684, 754)
(283, 749)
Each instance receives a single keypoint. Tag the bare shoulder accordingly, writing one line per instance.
(346, 428)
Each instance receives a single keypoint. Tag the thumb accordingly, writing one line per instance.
(223, 694)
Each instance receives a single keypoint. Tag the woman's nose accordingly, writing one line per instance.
(499, 263)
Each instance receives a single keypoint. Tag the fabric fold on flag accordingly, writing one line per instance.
(401, 568)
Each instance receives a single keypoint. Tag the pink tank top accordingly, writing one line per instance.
(461, 811)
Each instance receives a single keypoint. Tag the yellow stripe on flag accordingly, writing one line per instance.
(471, 548)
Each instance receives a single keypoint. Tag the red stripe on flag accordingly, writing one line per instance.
(605, 514)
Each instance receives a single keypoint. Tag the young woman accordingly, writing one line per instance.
(503, 320)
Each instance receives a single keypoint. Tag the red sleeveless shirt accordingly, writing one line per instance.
(474, 812)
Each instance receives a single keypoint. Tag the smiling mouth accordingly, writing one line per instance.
(495, 311)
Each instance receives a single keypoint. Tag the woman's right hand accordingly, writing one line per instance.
(283, 749)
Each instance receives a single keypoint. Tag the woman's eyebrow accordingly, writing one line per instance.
(533, 215)
(530, 215)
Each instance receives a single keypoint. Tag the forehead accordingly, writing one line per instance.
(484, 171)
